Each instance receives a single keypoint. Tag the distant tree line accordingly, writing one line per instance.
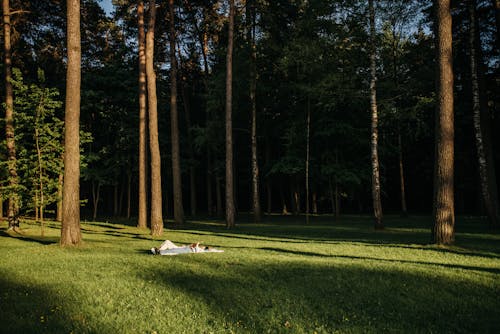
(212, 108)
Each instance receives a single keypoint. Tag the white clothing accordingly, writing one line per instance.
(169, 248)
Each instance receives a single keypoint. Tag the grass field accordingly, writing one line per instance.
(276, 277)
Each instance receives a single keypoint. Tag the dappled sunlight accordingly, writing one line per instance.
(273, 277)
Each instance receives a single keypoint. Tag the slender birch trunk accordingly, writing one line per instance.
(377, 205)
(71, 232)
(476, 109)
(256, 207)
(142, 219)
(230, 211)
(154, 146)
(444, 212)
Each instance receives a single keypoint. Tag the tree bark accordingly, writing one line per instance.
(257, 211)
(404, 210)
(71, 232)
(142, 219)
(41, 203)
(13, 201)
(377, 205)
(129, 193)
(174, 124)
(154, 146)
(268, 179)
(476, 109)
(444, 212)
(230, 211)
(192, 169)
(96, 193)
(59, 209)
(308, 135)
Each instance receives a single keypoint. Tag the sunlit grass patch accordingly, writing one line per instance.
(273, 277)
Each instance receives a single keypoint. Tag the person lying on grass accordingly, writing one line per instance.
(169, 248)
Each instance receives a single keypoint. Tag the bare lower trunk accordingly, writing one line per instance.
(308, 133)
(284, 208)
(230, 211)
(209, 177)
(129, 194)
(142, 219)
(71, 231)
(156, 193)
(96, 193)
(337, 200)
(41, 203)
(315, 203)
(404, 211)
(59, 213)
(218, 194)
(444, 212)
(115, 200)
(377, 205)
(9, 115)
(476, 108)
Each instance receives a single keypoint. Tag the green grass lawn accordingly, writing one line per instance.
(275, 277)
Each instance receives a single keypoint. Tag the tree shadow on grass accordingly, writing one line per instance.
(382, 260)
(33, 309)
(303, 297)
(39, 240)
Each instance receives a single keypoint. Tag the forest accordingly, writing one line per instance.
(171, 110)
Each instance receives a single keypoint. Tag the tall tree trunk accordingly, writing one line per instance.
(129, 193)
(203, 40)
(96, 193)
(154, 146)
(476, 108)
(308, 135)
(268, 179)
(315, 202)
(174, 124)
(257, 211)
(230, 211)
(115, 200)
(9, 116)
(218, 194)
(444, 212)
(59, 214)
(142, 219)
(404, 211)
(71, 232)
(210, 176)
(192, 169)
(284, 208)
(41, 203)
(377, 205)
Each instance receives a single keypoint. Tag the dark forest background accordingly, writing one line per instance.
(311, 57)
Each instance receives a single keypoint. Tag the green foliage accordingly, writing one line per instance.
(275, 277)
(39, 136)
